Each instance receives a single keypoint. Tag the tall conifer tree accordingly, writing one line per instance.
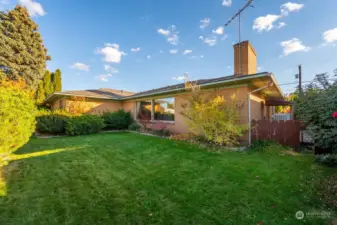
(22, 53)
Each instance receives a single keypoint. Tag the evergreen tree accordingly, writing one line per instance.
(22, 53)
(57, 81)
(40, 94)
(48, 86)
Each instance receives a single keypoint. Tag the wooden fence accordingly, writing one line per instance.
(284, 132)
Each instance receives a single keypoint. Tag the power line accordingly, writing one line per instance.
(304, 82)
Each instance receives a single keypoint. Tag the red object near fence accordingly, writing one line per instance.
(283, 132)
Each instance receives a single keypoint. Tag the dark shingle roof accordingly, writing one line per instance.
(182, 85)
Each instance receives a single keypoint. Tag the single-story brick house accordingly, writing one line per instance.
(253, 91)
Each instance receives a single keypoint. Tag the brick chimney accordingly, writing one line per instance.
(248, 59)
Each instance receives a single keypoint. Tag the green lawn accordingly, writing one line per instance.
(124, 178)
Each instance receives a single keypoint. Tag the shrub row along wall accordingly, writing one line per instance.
(60, 122)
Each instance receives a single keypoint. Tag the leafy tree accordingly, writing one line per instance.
(57, 81)
(316, 107)
(22, 53)
(48, 85)
(17, 117)
(216, 118)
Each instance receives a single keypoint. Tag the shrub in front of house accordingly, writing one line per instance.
(52, 122)
(118, 120)
(216, 119)
(17, 117)
(85, 124)
(134, 127)
(160, 129)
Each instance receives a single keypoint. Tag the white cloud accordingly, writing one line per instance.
(281, 24)
(180, 78)
(34, 8)
(148, 57)
(205, 23)
(110, 69)
(163, 32)
(186, 52)
(330, 36)
(80, 66)
(292, 46)
(104, 77)
(174, 51)
(290, 7)
(135, 49)
(161, 52)
(111, 53)
(219, 31)
(265, 23)
(227, 3)
(171, 34)
(211, 41)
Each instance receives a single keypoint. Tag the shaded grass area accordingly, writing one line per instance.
(124, 178)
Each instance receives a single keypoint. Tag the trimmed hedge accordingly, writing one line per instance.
(119, 120)
(85, 124)
(52, 122)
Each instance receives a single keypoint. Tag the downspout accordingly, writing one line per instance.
(249, 110)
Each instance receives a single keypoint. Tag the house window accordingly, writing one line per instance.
(156, 109)
(164, 109)
(144, 110)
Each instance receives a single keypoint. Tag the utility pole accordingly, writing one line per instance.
(238, 14)
(300, 80)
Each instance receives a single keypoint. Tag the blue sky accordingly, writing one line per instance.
(139, 45)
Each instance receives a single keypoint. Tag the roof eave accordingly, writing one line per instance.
(202, 85)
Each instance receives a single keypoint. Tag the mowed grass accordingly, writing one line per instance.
(124, 178)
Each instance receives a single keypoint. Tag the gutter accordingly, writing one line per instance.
(249, 109)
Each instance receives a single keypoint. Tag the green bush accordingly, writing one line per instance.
(315, 108)
(119, 120)
(85, 124)
(134, 126)
(17, 116)
(328, 160)
(52, 122)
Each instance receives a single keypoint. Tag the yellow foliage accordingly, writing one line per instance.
(215, 118)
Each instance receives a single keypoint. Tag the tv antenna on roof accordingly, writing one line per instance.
(238, 14)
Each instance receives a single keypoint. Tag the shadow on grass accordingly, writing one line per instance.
(14, 157)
